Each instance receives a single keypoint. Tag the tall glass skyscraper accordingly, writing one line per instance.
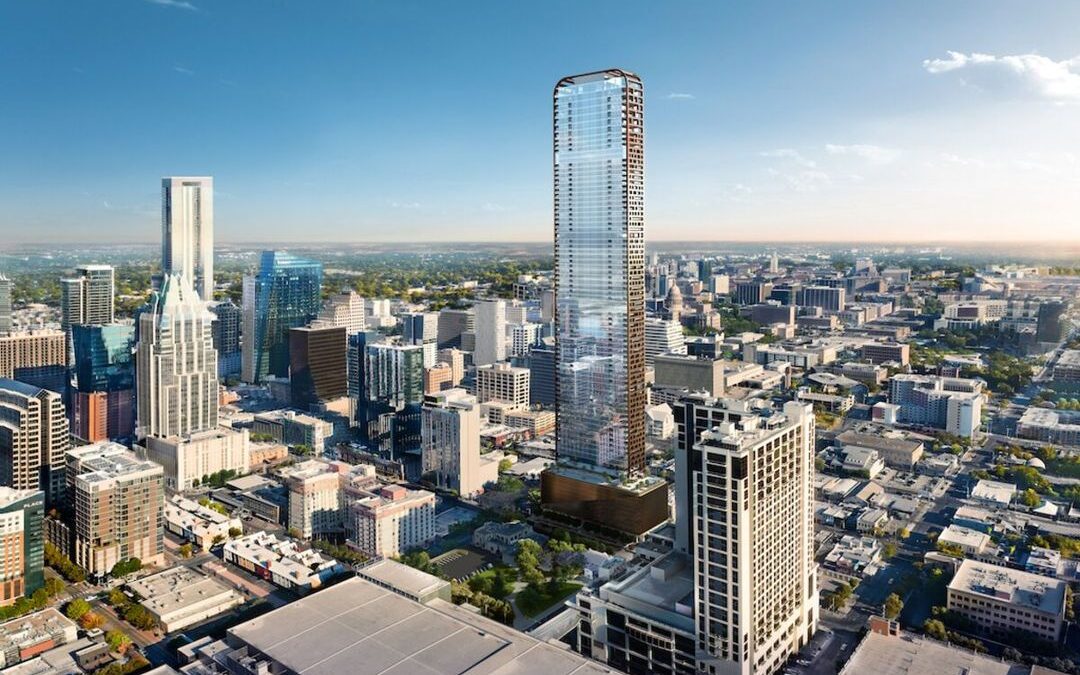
(285, 294)
(187, 231)
(600, 270)
(103, 398)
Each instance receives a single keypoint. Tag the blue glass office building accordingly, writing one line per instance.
(286, 293)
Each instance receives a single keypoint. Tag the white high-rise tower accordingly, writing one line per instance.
(187, 231)
(176, 363)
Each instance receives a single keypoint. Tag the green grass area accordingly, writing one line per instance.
(533, 600)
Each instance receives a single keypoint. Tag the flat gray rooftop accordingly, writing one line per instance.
(359, 628)
(911, 655)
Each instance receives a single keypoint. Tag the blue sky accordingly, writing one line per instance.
(389, 121)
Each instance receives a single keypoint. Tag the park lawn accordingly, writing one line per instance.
(488, 582)
(532, 600)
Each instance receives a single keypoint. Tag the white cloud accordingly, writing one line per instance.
(178, 4)
(875, 154)
(1015, 75)
(405, 205)
(183, 71)
(492, 207)
(805, 180)
(679, 96)
(793, 155)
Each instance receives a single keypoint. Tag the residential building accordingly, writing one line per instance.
(314, 499)
(660, 421)
(503, 382)
(393, 521)
(344, 310)
(5, 306)
(422, 328)
(392, 390)
(282, 562)
(523, 337)
(225, 328)
(88, 297)
(744, 499)
(176, 364)
(117, 502)
(438, 378)
(451, 443)
(1007, 601)
(189, 460)
(662, 337)
(283, 295)
(187, 231)
(455, 358)
(33, 439)
(38, 357)
(317, 365)
(950, 403)
(103, 397)
(22, 542)
(490, 330)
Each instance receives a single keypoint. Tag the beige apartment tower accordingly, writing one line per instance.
(34, 436)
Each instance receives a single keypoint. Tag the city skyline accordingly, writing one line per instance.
(954, 125)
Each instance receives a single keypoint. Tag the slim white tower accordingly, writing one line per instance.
(187, 231)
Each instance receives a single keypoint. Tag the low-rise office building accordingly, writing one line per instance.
(188, 460)
(1008, 601)
(895, 449)
(180, 597)
(1048, 426)
(28, 636)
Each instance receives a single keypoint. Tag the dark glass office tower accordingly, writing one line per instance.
(318, 371)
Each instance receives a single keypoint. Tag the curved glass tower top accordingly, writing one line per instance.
(600, 270)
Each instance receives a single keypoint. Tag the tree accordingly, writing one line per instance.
(116, 598)
(218, 538)
(1030, 498)
(77, 609)
(126, 567)
(235, 532)
(893, 606)
(91, 621)
(140, 617)
(117, 641)
(889, 550)
(935, 629)
(504, 465)
(53, 586)
(185, 550)
(528, 561)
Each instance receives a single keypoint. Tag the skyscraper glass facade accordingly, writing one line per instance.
(600, 270)
(285, 294)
